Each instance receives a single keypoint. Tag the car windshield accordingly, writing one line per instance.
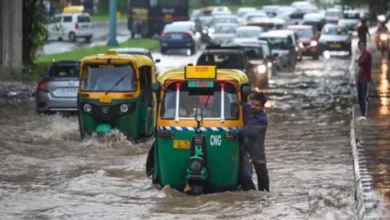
(265, 48)
(254, 53)
(64, 71)
(222, 60)
(278, 43)
(334, 14)
(218, 20)
(351, 15)
(115, 78)
(83, 18)
(225, 29)
(248, 33)
(335, 31)
(304, 33)
(205, 100)
(176, 28)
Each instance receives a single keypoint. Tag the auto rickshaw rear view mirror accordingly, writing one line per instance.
(245, 90)
(156, 87)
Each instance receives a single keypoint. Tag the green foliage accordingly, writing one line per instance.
(34, 30)
(104, 6)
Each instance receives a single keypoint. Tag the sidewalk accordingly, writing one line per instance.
(370, 142)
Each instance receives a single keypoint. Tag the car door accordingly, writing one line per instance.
(67, 25)
(54, 27)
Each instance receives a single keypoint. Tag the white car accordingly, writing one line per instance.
(242, 11)
(70, 26)
(245, 34)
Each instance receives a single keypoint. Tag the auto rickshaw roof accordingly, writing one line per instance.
(140, 60)
(178, 74)
(73, 9)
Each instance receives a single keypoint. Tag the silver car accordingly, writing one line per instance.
(223, 33)
(57, 91)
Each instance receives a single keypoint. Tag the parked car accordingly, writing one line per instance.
(70, 25)
(335, 38)
(57, 90)
(283, 48)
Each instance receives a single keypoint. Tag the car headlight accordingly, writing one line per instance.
(269, 64)
(313, 43)
(124, 108)
(87, 108)
(300, 45)
(199, 118)
(211, 30)
(204, 31)
(261, 68)
(383, 37)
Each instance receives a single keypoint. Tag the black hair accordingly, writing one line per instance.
(259, 96)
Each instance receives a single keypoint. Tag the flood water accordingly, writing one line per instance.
(46, 172)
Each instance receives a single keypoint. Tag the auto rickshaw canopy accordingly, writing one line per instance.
(115, 58)
(203, 73)
(73, 9)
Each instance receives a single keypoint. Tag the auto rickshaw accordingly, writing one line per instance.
(114, 92)
(199, 117)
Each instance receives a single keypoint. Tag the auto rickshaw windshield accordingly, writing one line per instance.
(210, 101)
(113, 78)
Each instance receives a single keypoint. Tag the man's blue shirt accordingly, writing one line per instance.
(251, 119)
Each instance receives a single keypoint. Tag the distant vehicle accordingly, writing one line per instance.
(254, 15)
(350, 20)
(137, 51)
(222, 10)
(224, 19)
(148, 18)
(333, 15)
(335, 38)
(270, 10)
(241, 12)
(283, 48)
(247, 34)
(224, 58)
(179, 36)
(307, 39)
(317, 20)
(223, 33)
(57, 90)
(203, 24)
(70, 25)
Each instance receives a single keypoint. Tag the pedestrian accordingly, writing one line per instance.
(253, 135)
(363, 78)
(363, 30)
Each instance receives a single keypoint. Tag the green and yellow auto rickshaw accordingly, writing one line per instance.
(199, 117)
(115, 92)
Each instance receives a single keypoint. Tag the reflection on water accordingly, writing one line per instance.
(46, 172)
(383, 89)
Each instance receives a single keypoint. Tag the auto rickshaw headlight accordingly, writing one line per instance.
(261, 68)
(199, 118)
(383, 37)
(124, 108)
(87, 108)
(269, 64)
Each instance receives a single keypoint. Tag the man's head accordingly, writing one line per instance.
(258, 102)
(362, 45)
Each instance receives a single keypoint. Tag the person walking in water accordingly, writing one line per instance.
(253, 135)
(363, 78)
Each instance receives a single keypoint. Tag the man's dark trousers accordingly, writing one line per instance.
(363, 91)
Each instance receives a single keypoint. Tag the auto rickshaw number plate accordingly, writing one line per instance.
(105, 99)
(181, 144)
(200, 84)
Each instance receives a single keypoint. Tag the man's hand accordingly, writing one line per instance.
(247, 160)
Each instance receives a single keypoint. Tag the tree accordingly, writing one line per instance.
(34, 30)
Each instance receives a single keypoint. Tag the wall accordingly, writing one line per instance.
(10, 37)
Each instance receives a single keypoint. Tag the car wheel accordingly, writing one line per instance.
(72, 36)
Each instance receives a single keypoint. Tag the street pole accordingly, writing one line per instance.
(112, 41)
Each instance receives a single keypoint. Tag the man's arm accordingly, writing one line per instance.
(363, 59)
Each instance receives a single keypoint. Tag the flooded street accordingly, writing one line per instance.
(46, 172)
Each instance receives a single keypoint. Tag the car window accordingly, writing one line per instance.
(304, 33)
(278, 43)
(64, 71)
(225, 29)
(57, 19)
(67, 19)
(248, 33)
(254, 53)
(335, 31)
(83, 18)
(223, 60)
(334, 14)
(290, 41)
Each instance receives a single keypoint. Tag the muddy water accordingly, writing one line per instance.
(46, 172)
